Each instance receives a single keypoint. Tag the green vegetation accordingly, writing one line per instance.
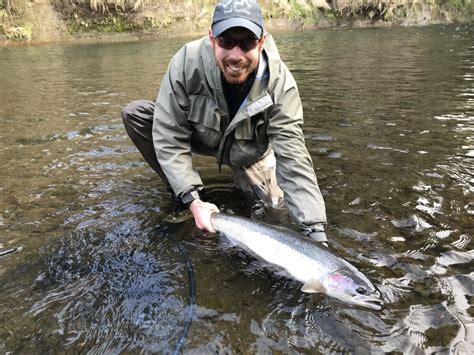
(406, 11)
(11, 30)
(18, 33)
(459, 5)
(55, 19)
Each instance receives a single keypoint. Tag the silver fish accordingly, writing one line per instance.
(305, 260)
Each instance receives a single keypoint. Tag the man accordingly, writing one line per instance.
(230, 96)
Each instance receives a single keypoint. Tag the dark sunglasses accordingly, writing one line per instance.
(245, 44)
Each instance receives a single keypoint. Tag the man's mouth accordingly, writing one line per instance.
(235, 68)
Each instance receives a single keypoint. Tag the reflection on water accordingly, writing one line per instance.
(106, 264)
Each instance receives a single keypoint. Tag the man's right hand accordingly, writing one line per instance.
(202, 212)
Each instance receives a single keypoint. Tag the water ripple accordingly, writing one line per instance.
(102, 284)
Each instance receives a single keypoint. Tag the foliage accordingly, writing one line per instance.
(459, 5)
(18, 33)
(399, 11)
(106, 25)
(298, 10)
(20, 21)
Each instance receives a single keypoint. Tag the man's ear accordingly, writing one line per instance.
(211, 38)
(262, 42)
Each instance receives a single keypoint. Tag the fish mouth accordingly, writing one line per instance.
(372, 302)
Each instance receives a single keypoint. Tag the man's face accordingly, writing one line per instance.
(236, 63)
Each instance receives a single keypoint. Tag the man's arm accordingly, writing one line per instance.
(172, 131)
(295, 172)
(172, 140)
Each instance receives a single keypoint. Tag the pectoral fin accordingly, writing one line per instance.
(223, 239)
(313, 286)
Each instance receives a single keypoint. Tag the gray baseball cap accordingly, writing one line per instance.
(239, 13)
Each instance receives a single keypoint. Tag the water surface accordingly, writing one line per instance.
(108, 265)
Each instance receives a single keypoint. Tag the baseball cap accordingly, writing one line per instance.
(241, 13)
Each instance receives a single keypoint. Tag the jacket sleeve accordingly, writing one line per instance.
(171, 129)
(295, 172)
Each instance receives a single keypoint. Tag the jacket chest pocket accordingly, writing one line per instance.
(250, 142)
(205, 120)
(253, 129)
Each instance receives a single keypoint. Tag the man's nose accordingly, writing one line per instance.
(236, 53)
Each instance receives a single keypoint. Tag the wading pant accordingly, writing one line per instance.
(257, 181)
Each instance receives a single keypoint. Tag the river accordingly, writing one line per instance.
(106, 264)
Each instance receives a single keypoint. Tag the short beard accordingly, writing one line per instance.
(233, 80)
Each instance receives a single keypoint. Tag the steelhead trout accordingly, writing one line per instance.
(305, 260)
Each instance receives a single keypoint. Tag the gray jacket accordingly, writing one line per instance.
(191, 116)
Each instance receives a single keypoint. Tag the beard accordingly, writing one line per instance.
(236, 71)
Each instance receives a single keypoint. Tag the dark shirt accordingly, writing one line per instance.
(236, 94)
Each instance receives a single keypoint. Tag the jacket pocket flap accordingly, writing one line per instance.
(204, 111)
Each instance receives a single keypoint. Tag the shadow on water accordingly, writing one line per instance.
(113, 289)
(104, 264)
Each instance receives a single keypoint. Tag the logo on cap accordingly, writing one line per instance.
(237, 7)
(240, 13)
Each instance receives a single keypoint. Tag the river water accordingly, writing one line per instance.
(106, 263)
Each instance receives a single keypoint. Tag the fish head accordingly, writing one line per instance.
(352, 287)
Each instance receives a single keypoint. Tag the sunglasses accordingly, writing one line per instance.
(245, 44)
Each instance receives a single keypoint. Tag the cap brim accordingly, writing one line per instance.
(222, 26)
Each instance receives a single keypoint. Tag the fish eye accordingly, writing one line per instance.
(361, 290)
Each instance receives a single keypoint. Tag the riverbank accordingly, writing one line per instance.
(43, 21)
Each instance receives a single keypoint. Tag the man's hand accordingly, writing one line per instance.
(319, 237)
(202, 212)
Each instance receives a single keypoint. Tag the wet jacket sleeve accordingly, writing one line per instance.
(171, 129)
(295, 172)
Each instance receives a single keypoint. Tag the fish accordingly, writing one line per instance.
(303, 259)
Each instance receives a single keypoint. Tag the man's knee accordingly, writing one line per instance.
(128, 110)
(138, 110)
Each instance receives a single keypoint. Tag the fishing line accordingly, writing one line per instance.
(192, 292)
(7, 251)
